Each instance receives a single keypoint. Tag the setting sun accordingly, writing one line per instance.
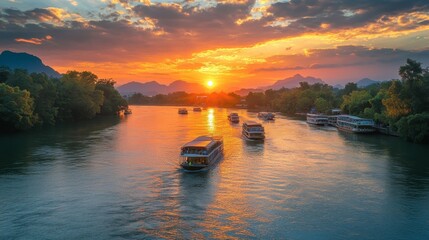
(210, 83)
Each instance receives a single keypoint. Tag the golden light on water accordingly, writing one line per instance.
(210, 120)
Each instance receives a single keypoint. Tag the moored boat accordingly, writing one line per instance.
(183, 111)
(253, 131)
(233, 117)
(355, 124)
(332, 120)
(197, 109)
(201, 153)
(127, 111)
(317, 119)
(266, 116)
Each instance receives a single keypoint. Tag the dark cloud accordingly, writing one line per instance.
(342, 13)
(14, 16)
(346, 56)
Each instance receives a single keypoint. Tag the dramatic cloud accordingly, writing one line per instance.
(36, 41)
(235, 41)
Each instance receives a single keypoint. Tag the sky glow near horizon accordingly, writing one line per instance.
(236, 43)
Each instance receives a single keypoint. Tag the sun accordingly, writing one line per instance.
(210, 83)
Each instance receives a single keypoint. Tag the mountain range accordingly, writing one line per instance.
(26, 61)
(290, 82)
(32, 63)
(152, 88)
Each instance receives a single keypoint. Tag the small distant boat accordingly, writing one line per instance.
(233, 117)
(253, 131)
(355, 124)
(183, 111)
(266, 116)
(197, 109)
(201, 153)
(317, 119)
(127, 111)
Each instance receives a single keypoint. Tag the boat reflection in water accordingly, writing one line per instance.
(201, 153)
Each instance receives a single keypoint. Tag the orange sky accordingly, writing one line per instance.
(234, 43)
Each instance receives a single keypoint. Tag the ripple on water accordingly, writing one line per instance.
(121, 179)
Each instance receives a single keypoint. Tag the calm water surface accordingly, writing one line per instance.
(119, 179)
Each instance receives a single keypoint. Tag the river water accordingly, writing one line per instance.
(119, 178)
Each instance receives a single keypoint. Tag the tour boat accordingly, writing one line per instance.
(183, 111)
(317, 119)
(127, 111)
(197, 109)
(201, 153)
(233, 117)
(332, 120)
(253, 130)
(355, 124)
(266, 115)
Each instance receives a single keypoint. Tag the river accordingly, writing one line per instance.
(119, 178)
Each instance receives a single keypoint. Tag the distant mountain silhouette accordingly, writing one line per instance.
(179, 86)
(293, 82)
(338, 86)
(246, 91)
(26, 61)
(153, 88)
(365, 82)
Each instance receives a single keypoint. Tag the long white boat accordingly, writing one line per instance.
(253, 130)
(233, 117)
(355, 124)
(332, 120)
(201, 153)
(317, 119)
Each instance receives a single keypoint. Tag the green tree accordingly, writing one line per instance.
(16, 109)
(77, 96)
(415, 86)
(414, 128)
(322, 105)
(349, 88)
(356, 102)
(113, 101)
(45, 98)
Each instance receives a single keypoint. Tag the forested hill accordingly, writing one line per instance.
(26, 61)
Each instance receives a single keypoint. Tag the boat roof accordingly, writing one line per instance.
(354, 117)
(252, 123)
(233, 114)
(317, 115)
(202, 141)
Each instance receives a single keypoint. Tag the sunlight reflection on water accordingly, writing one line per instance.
(121, 179)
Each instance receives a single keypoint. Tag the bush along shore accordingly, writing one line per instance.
(30, 100)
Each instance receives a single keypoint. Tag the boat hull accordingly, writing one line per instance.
(193, 168)
(317, 124)
(253, 138)
(344, 129)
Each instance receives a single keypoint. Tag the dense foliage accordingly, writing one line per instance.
(27, 100)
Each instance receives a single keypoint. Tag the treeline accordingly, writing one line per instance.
(401, 105)
(182, 98)
(28, 100)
